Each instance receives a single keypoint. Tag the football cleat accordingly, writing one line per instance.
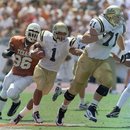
(57, 92)
(36, 117)
(16, 120)
(60, 116)
(91, 113)
(115, 113)
(83, 106)
(13, 108)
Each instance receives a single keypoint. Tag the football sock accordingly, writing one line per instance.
(24, 111)
(64, 107)
(124, 96)
(81, 100)
(94, 102)
(35, 108)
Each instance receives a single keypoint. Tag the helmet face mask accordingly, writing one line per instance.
(114, 15)
(60, 31)
(32, 32)
(60, 36)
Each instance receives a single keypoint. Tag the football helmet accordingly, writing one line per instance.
(32, 32)
(60, 31)
(114, 15)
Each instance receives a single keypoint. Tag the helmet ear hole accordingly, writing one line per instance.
(32, 32)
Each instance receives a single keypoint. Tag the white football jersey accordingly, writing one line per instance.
(55, 52)
(102, 48)
(79, 45)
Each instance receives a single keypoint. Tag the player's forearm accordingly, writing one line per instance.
(78, 52)
(87, 38)
(75, 51)
(91, 36)
(34, 48)
(120, 42)
(127, 63)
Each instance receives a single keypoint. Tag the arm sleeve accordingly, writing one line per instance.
(40, 38)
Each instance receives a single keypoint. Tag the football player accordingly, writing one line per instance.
(20, 76)
(126, 93)
(105, 31)
(57, 46)
(59, 90)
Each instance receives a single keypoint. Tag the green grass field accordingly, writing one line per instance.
(74, 119)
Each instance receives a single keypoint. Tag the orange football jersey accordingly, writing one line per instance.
(23, 64)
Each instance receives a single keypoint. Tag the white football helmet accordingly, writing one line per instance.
(60, 31)
(32, 32)
(114, 15)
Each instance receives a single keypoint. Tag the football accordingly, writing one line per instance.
(38, 53)
(41, 54)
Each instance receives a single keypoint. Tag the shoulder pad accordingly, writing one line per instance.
(97, 24)
(40, 36)
(72, 41)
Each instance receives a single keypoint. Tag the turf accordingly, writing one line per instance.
(74, 119)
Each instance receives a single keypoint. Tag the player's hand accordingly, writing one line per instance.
(124, 57)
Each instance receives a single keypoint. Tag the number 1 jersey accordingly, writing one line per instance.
(55, 51)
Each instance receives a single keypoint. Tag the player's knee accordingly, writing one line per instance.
(3, 99)
(102, 90)
(109, 82)
(3, 94)
(68, 96)
(11, 93)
